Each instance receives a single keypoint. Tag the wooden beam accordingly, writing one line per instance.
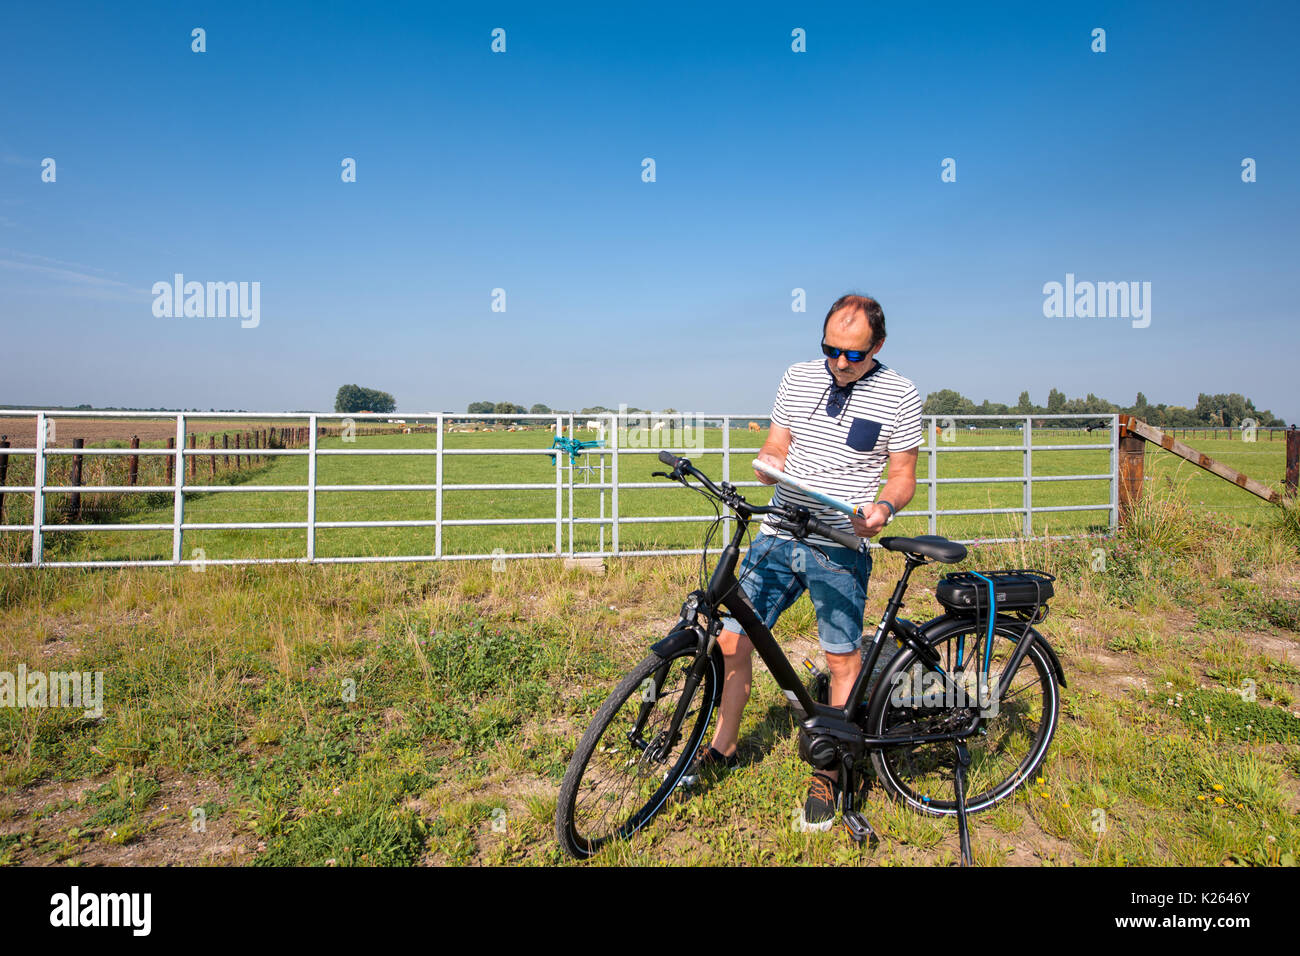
(1173, 445)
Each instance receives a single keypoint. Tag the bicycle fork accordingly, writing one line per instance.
(658, 751)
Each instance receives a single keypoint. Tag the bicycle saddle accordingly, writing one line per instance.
(928, 545)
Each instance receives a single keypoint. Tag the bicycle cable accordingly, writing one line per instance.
(716, 523)
(712, 500)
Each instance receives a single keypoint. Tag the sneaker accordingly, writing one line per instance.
(707, 760)
(819, 808)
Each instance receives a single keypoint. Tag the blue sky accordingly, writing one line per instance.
(775, 170)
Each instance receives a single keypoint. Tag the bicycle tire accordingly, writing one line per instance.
(575, 827)
(1026, 718)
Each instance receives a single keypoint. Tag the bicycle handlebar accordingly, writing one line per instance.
(843, 538)
(799, 521)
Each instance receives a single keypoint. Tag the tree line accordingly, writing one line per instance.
(1229, 410)
(1210, 410)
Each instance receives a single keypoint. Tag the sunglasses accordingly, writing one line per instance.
(853, 355)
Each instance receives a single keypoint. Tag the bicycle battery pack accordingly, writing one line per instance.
(964, 592)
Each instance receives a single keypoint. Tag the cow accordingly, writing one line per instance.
(753, 426)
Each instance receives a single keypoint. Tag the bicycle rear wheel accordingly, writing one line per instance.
(1012, 740)
(625, 768)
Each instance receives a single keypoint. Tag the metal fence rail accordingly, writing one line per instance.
(613, 454)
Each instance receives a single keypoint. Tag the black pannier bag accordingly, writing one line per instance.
(962, 592)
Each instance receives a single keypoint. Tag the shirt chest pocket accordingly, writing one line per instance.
(863, 434)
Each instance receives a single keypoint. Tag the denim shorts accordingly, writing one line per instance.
(775, 572)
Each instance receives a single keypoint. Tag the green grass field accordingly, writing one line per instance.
(1264, 460)
(425, 713)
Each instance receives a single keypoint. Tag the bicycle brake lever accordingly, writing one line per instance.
(675, 476)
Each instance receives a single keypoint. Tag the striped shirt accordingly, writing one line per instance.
(844, 454)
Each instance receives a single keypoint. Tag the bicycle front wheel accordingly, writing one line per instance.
(1014, 732)
(626, 766)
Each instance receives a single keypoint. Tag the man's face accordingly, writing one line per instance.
(855, 333)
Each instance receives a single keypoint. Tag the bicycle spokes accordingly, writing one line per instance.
(640, 751)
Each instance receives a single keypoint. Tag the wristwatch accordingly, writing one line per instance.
(889, 505)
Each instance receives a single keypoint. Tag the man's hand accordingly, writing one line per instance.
(774, 461)
(870, 526)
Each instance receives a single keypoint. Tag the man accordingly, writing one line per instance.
(835, 423)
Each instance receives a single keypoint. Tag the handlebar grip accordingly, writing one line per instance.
(842, 538)
(669, 459)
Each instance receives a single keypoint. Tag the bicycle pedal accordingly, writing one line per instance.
(859, 828)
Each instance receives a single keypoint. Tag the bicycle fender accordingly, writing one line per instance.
(676, 642)
(1051, 656)
(1051, 651)
(684, 638)
(909, 634)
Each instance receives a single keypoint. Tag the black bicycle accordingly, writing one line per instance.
(958, 720)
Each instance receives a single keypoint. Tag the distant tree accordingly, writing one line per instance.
(354, 398)
(539, 409)
(506, 408)
(947, 402)
(1099, 406)
(1024, 406)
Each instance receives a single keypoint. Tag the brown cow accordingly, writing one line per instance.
(753, 426)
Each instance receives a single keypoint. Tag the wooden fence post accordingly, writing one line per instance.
(194, 461)
(225, 443)
(1132, 454)
(171, 461)
(1292, 461)
(212, 459)
(237, 446)
(133, 463)
(74, 501)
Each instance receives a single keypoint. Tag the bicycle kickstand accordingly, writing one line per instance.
(859, 828)
(959, 785)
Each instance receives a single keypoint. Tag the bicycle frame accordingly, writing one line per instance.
(724, 591)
